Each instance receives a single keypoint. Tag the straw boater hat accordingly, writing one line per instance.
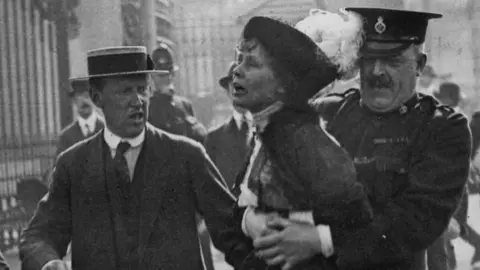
(118, 61)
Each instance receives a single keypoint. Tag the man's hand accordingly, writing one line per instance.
(55, 265)
(453, 230)
(293, 243)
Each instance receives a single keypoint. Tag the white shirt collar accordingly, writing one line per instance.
(113, 140)
(90, 122)
(262, 118)
(239, 118)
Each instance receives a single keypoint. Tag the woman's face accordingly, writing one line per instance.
(255, 85)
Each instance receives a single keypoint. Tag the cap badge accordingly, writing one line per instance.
(403, 109)
(380, 26)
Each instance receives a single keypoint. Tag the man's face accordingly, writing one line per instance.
(163, 82)
(83, 104)
(255, 85)
(387, 82)
(124, 102)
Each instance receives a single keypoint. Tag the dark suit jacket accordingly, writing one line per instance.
(181, 181)
(228, 149)
(72, 134)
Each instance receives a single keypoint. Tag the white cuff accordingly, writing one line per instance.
(325, 240)
(244, 220)
(326, 243)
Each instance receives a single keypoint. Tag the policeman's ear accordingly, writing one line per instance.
(421, 62)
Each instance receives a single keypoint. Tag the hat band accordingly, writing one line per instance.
(117, 63)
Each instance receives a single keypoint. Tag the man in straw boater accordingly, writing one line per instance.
(295, 169)
(410, 152)
(127, 197)
(87, 121)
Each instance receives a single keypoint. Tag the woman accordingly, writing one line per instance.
(296, 169)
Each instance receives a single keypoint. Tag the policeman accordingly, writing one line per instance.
(169, 111)
(175, 114)
(411, 153)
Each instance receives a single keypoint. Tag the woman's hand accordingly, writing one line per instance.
(255, 223)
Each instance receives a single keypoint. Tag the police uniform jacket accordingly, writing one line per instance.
(175, 114)
(413, 162)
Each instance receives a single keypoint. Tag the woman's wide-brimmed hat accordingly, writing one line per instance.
(312, 65)
(119, 61)
(294, 51)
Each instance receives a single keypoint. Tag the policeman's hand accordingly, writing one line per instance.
(55, 265)
(256, 223)
(453, 230)
(291, 243)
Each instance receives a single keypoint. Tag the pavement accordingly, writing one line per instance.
(464, 251)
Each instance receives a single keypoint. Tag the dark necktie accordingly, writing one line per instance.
(121, 167)
(244, 130)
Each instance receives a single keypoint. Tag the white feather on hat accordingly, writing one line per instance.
(339, 36)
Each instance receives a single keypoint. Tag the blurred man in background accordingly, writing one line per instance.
(87, 121)
(168, 111)
(227, 144)
(441, 254)
(427, 81)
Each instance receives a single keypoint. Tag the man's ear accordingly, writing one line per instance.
(96, 97)
(421, 62)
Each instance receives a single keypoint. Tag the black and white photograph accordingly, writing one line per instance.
(240, 134)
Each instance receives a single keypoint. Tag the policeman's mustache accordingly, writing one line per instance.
(379, 82)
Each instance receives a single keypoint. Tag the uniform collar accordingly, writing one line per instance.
(404, 109)
(113, 140)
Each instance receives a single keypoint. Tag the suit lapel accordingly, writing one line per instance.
(97, 168)
(156, 176)
(94, 167)
(96, 179)
(98, 125)
(78, 132)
